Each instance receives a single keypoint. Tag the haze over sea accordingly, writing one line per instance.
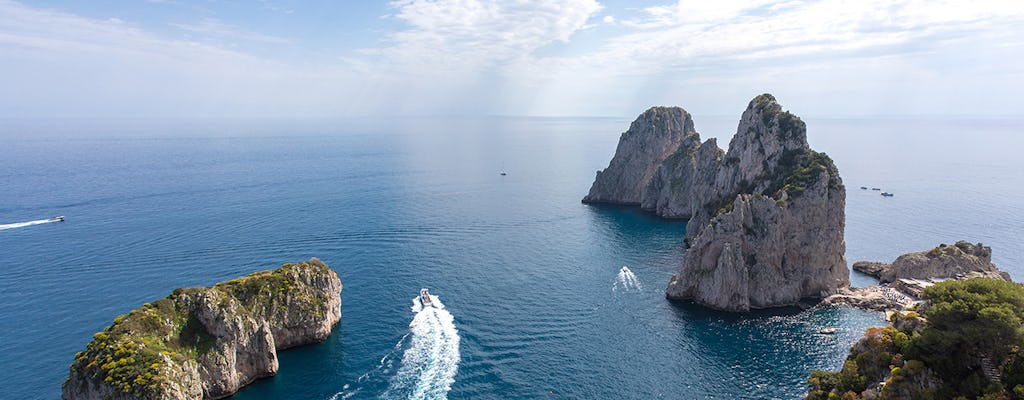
(537, 302)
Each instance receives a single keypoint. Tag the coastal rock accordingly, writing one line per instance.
(206, 343)
(958, 261)
(766, 218)
(870, 268)
(872, 298)
(656, 134)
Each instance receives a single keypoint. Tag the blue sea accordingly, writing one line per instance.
(537, 302)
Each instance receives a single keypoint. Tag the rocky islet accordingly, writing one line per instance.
(208, 342)
(766, 217)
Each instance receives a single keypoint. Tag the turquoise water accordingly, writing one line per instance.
(537, 303)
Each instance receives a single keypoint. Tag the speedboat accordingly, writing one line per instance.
(887, 194)
(876, 188)
(425, 297)
(59, 218)
(863, 188)
(503, 173)
(828, 330)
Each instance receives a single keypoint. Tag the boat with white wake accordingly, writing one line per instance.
(425, 298)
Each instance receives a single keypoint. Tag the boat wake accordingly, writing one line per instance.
(626, 281)
(431, 361)
(28, 223)
(384, 367)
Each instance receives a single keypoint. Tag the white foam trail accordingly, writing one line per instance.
(431, 361)
(626, 280)
(24, 224)
(383, 367)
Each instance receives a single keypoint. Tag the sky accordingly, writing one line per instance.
(325, 58)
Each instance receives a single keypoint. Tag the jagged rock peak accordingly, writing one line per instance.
(766, 218)
(206, 343)
(766, 134)
(655, 135)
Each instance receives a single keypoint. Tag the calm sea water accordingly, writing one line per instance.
(537, 302)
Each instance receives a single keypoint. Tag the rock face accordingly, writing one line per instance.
(871, 268)
(656, 134)
(206, 343)
(766, 218)
(959, 261)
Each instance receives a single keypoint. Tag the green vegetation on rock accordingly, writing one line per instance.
(144, 350)
(967, 346)
(801, 169)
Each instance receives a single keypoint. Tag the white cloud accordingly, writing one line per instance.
(482, 32)
(55, 63)
(692, 29)
(220, 30)
(515, 57)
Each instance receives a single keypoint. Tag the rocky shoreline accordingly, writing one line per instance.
(879, 365)
(902, 281)
(208, 342)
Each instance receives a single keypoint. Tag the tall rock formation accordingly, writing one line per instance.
(655, 135)
(766, 218)
(206, 343)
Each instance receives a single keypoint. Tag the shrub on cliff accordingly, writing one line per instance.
(971, 337)
(970, 324)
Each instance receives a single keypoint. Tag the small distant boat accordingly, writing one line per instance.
(828, 330)
(425, 298)
(863, 188)
(876, 188)
(503, 173)
(887, 194)
(59, 218)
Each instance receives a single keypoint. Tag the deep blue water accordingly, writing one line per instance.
(529, 275)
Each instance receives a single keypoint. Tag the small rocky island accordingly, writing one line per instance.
(207, 342)
(766, 218)
(902, 282)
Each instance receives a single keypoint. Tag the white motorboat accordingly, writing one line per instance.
(425, 298)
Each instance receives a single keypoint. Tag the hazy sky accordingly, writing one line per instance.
(508, 57)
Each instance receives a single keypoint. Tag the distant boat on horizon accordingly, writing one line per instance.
(887, 194)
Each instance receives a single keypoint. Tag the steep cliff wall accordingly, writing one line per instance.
(206, 343)
(656, 134)
(766, 218)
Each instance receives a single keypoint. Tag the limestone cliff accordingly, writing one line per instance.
(656, 134)
(961, 260)
(206, 343)
(766, 218)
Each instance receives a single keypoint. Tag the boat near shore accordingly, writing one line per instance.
(828, 330)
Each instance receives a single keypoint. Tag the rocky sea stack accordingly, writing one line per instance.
(766, 218)
(206, 343)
